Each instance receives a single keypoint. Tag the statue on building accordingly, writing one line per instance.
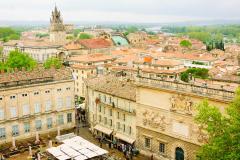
(154, 120)
(202, 136)
(181, 103)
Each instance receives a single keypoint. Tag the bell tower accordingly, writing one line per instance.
(57, 28)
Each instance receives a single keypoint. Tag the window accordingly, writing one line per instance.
(36, 93)
(147, 142)
(110, 122)
(110, 99)
(13, 112)
(110, 112)
(124, 117)
(124, 128)
(26, 109)
(68, 102)
(15, 130)
(59, 90)
(1, 98)
(100, 108)
(38, 125)
(60, 120)
(118, 126)
(24, 95)
(104, 109)
(69, 118)
(2, 133)
(68, 88)
(130, 130)
(26, 127)
(118, 115)
(1, 114)
(12, 97)
(161, 147)
(105, 98)
(48, 91)
(59, 103)
(37, 108)
(105, 120)
(49, 123)
(100, 118)
(48, 105)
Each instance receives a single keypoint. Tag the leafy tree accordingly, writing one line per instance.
(186, 44)
(14, 37)
(19, 60)
(222, 129)
(76, 32)
(7, 34)
(70, 37)
(52, 62)
(1, 49)
(85, 36)
(41, 35)
(194, 72)
(131, 29)
(184, 76)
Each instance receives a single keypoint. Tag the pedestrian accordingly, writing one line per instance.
(127, 156)
(152, 157)
(131, 155)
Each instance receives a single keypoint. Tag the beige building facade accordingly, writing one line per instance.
(165, 118)
(111, 115)
(32, 105)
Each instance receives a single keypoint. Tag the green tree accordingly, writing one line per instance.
(184, 76)
(52, 62)
(20, 60)
(222, 129)
(85, 36)
(186, 44)
(194, 72)
(1, 50)
(76, 32)
(70, 37)
(131, 29)
(14, 37)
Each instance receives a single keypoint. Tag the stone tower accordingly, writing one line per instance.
(57, 28)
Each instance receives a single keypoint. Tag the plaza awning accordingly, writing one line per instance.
(76, 148)
(105, 130)
(125, 138)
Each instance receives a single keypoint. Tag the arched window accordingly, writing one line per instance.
(179, 154)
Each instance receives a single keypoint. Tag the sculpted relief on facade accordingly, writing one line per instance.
(154, 120)
(202, 136)
(180, 103)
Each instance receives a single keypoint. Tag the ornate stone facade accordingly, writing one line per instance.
(57, 28)
(165, 123)
(181, 104)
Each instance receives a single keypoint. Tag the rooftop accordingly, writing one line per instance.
(112, 85)
(38, 75)
(97, 57)
(32, 44)
(96, 43)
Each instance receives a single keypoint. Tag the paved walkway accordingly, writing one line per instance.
(86, 134)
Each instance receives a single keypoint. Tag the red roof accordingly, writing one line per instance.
(95, 43)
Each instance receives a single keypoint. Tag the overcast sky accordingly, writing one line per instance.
(121, 10)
